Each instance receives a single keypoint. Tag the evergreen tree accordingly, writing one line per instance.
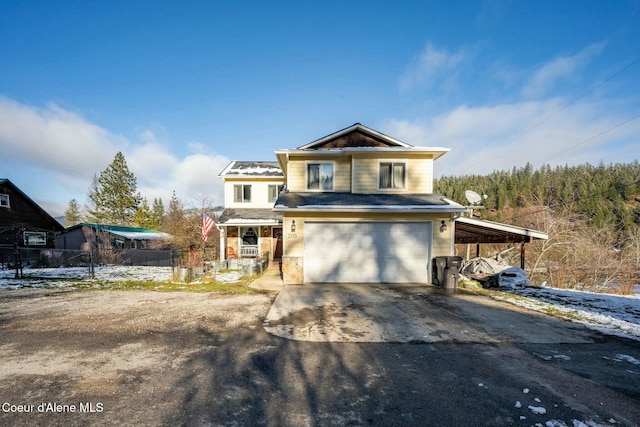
(174, 221)
(73, 214)
(114, 197)
(90, 207)
(157, 212)
(143, 217)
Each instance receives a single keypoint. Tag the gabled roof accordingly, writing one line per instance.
(130, 233)
(253, 169)
(353, 139)
(356, 135)
(376, 202)
(48, 218)
(472, 230)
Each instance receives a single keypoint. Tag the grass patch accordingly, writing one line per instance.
(235, 288)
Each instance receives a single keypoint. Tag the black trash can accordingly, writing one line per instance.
(446, 271)
(439, 264)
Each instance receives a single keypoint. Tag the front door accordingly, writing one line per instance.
(276, 242)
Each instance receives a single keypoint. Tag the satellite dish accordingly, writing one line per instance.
(472, 197)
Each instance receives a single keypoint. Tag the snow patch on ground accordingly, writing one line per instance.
(66, 277)
(611, 314)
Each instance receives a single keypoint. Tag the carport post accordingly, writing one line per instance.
(522, 251)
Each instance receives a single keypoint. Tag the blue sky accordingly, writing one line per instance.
(182, 88)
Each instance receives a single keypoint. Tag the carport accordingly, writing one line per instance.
(476, 231)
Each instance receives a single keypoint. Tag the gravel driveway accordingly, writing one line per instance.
(138, 358)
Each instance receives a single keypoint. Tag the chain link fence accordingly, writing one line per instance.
(186, 265)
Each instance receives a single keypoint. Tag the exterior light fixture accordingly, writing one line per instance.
(443, 225)
(293, 225)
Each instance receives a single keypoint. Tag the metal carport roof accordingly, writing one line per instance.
(471, 230)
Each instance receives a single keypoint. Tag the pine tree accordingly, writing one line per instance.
(157, 212)
(73, 214)
(90, 206)
(173, 221)
(114, 196)
(142, 218)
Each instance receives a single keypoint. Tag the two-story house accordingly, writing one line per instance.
(249, 226)
(358, 207)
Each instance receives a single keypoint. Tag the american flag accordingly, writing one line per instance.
(207, 226)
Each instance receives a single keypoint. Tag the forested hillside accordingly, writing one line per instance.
(608, 196)
(591, 214)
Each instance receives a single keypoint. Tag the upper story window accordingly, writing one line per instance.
(4, 200)
(274, 190)
(242, 193)
(392, 175)
(320, 176)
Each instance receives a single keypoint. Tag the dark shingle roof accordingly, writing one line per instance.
(292, 200)
(249, 215)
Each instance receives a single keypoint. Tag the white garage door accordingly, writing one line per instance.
(366, 252)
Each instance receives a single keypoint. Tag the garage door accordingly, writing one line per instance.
(366, 252)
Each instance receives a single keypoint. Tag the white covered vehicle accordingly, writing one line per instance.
(491, 273)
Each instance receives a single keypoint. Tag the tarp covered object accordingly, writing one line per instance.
(494, 272)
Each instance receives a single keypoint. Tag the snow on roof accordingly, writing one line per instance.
(137, 235)
(253, 168)
(130, 233)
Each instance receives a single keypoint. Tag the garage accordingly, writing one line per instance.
(367, 252)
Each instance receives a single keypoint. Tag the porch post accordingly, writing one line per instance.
(223, 244)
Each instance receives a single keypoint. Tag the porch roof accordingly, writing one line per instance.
(321, 201)
(244, 217)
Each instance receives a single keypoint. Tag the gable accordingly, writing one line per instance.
(22, 210)
(356, 138)
(20, 215)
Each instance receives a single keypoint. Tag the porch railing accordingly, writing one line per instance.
(249, 251)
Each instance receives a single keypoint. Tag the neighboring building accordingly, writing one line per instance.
(359, 208)
(23, 221)
(249, 226)
(83, 236)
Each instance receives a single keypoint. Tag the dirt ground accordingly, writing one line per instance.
(144, 358)
(106, 354)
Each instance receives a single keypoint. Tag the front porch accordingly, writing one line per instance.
(250, 234)
(251, 242)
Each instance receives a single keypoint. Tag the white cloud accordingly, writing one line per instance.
(53, 138)
(563, 67)
(52, 154)
(502, 136)
(430, 64)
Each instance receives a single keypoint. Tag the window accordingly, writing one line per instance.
(32, 238)
(4, 200)
(320, 176)
(392, 175)
(242, 193)
(274, 190)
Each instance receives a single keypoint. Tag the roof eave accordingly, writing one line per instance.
(525, 232)
(371, 208)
